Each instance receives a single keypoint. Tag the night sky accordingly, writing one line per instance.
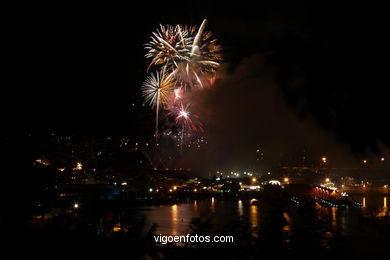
(296, 75)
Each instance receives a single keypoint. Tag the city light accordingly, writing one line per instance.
(382, 159)
(327, 180)
(254, 179)
(76, 206)
(285, 179)
(79, 166)
(364, 161)
(274, 182)
(42, 161)
(324, 159)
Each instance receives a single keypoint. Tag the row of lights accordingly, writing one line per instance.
(325, 160)
(382, 159)
(364, 185)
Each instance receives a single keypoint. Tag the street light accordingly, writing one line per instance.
(285, 179)
(254, 180)
(327, 180)
(324, 159)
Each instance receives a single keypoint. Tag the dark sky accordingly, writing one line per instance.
(297, 75)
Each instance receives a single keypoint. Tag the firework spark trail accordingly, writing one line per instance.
(184, 117)
(178, 94)
(195, 47)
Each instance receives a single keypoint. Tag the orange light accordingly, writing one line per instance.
(174, 187)
(195, 190)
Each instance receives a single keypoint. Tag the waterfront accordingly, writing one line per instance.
(175, 219)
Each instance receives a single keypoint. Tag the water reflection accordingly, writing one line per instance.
(289, 222)
(334, 215)
(212, 206)
(253, 219)
(174, 219)
(240, 208)
(371, 202)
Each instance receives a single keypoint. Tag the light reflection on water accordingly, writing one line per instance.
(254, 219)
(175, 219)
(212, 206)
(334, 219)
(289, 222)
(240, 208)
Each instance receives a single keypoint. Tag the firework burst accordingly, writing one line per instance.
(156, 90)
(168, 46)
(201, 62)
(185, 57)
